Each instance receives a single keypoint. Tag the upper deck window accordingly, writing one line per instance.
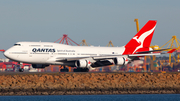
(17, 44)
(35, 45)
(48, 45)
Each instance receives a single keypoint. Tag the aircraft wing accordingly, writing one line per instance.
(92, 57)
(103, 57)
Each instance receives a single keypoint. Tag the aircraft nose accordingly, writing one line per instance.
(6, 53)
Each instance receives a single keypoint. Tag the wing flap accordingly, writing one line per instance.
(103, 57)
(92, 57)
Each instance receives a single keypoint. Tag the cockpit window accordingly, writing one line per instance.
(17, 44)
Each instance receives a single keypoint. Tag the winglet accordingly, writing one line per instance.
(171, 51)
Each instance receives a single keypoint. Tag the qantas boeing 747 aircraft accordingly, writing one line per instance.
(42, 54)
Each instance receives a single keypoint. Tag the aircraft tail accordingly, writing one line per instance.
(142, 40)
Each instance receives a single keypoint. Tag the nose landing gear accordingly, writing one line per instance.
(21, 69)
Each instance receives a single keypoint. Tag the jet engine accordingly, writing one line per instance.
(39, 65)
(120, 61)
(83, 63)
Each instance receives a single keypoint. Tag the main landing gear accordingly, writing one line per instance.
(81, 70)
(21, 69)
(64, 69)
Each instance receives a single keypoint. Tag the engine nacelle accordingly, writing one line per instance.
(120, 61)
(39, 65)
(83, 63)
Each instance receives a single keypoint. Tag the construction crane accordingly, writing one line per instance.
(171, 44)
(110, 44)
(84, 43)
(137, 24)
(66, 40)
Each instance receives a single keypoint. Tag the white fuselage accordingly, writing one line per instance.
(46, 52)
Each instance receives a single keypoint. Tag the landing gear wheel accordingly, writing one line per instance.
(21, 70)
(81, 70)
(84, 70)
(64, 70)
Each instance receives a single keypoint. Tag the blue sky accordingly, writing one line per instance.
(97, 21)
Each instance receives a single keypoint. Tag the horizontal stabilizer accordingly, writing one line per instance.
(171, 51)
(153, 51)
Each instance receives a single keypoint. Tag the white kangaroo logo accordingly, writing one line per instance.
(135, 38)
(142, 38)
